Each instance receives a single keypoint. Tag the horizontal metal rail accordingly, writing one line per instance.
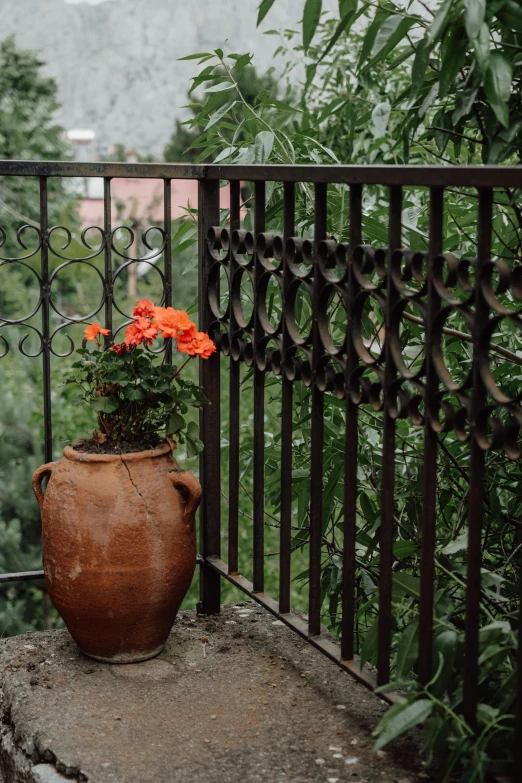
(21, 576)
(418, 176)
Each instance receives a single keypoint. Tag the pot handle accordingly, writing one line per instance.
(38, 477)
(188, 487)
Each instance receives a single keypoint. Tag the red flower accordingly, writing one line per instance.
(120, 348)
(140, 331)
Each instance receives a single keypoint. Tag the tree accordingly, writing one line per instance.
(464, 62)
(28, 101)
(183, 146)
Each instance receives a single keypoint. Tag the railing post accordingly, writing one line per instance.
(477, 468)
(46, 335)
(210, 425)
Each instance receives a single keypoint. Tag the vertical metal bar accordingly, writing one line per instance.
(317, 430)
(167, 253)
(107, 229)
(351, 444)
(429, 468)
(476, 487)
(259, 409)
(46, 337)
(234, 403)
(388, 460)
(517, 755)
(286, 421)
(210, 420)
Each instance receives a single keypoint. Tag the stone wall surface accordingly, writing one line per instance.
(117, 63)
(251, 703)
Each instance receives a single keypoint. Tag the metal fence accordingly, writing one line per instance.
(479, 411)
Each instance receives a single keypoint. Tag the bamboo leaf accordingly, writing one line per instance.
(263, 9)
(407, 651)
(403, 721)
(439, 23)
(380, 117)
(311, 16)
(474, 17)
(369, 647)
(497, 86)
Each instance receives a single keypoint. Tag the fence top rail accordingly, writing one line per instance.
(427, 176)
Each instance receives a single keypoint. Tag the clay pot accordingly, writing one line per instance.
(119, 547)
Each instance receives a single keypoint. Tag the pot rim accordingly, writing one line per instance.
(83, 456)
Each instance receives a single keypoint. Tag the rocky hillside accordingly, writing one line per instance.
(116, 63)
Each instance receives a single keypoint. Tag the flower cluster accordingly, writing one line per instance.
(150, 322)
(138, 399)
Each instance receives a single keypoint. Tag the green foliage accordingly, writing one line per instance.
(135, 397)
(28, 101)
(183, 144)
(398, 87)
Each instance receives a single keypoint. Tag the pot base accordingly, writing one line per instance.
(126, 657)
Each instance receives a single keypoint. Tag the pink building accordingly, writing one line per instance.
(138, 200)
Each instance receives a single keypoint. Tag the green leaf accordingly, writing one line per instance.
(444, 646)
(419, 67)
(390, 33)
(497, 86)
(481, 47)
(428, 100)
(219, 114)
(474, 17)
(311, 16)
(380, 117)
(439, 23)
(404, 548)
(407, 651)
(343, 27)
(175, 423)
(221, 87)
(458, 545)
(406, 584)
(196, 56)
(453, 58)
(134, 393)
(403, 721)
(510, 14)
(263, 144)
(494, 632)
(194, 446)
(369, 38)
(369, 647)
(347, 7)
(466, 96)
(264, 8)
(105, 404)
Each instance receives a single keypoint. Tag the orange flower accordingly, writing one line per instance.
(144, 308)
(172, 323)
(196, 344)
(93, 330)
(140, 331)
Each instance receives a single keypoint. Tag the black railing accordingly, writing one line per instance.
(475, 408)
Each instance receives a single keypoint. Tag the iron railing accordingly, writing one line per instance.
(476, 412)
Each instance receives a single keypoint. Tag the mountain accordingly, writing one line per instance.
(116, 63)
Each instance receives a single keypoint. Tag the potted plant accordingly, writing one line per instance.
(118, 514)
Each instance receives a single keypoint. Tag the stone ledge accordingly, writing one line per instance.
(255, 703)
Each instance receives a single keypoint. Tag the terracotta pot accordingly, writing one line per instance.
(119, 547)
